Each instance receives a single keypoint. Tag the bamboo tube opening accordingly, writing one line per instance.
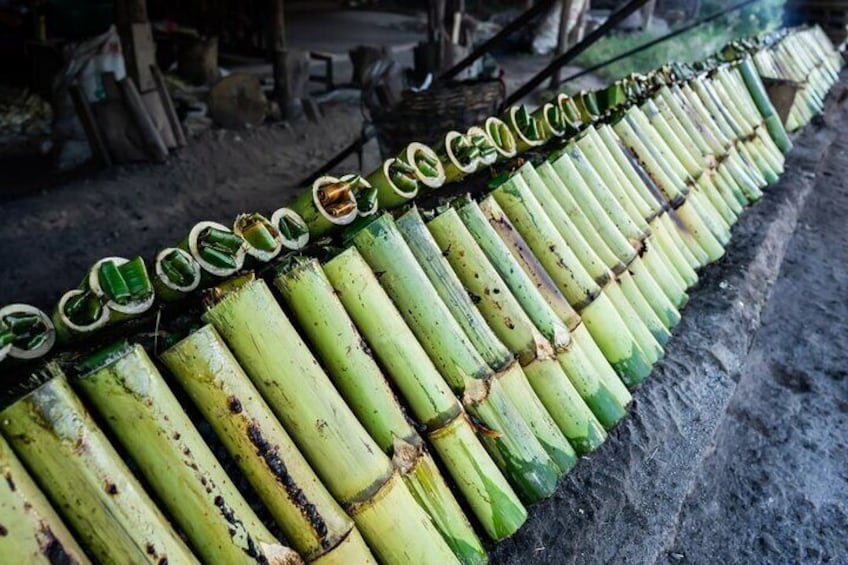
(524, 127)
(123, 283)
(425, 161)
(177, 270)
(551, 120)
(481, 140)
(79, 312)
(501, 137)
(262, 239)
(365, 195)
(294, 233)
(216, 249)
(400, 177)
(334, 200)
(461, 153)
(25, 332)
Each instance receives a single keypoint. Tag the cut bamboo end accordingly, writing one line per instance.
(414, 153)
(36, 346)
(165, 287)
(192, 245)
(269, 236)
(455, 168)
(503, 140)
(66, 328)
(389, 194)
(133, 307)
(290, 216)
(345, 203)
(480, 139)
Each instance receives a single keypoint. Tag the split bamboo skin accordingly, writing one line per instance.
(511, 329)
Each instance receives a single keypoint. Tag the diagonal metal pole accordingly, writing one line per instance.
(615, 18)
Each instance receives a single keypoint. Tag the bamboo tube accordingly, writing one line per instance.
(550, 120)
(175, 274)
(348, 461)
(427, 394)
(520, 282)
(578, 421)
(607, 326)
(124, 387)
(216, 261)
(458, 155)
(299, 503)
(122, 285)
(524, 127)
(501, 137)
(311, 520)
(425, 161)
(350, 365)
(86, 479)
(328, 204)
(514, 448)
(79, 313)
(32, 532)
(395, 182)
(481, 140)
(294, 233)
(497, 356)
(26, 333)
(262, 238)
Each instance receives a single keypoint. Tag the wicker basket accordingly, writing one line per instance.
(426, 116)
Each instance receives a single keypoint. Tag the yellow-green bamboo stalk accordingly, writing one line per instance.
(123, 386)
(32, 532)
(307, 514)
(349, 462)
(352, 368)
(426, 393)
(85, 478)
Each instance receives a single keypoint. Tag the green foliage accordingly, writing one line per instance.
(690, 46)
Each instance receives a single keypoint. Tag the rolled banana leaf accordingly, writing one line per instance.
(329, 203)
(262, 237)
(175, 274)
(219, 252)
(428, 168)
(294, 232)
(26, 333)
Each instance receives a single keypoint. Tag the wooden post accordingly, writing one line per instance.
(562, 39)
(278, 56)
(168, 105)
(89, 124)
(156, 149)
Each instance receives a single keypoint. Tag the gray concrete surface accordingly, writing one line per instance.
(732, 454)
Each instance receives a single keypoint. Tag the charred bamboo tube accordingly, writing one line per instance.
(459, 156)
(32, 532)
(262, 238)
(294, 233)
(524, 128)
(329, 203)
(426, 164)
(427, 394)
(497, 356)
(219, 252)
(26, 333)
(322, 317)
(311, 520)
(580, 420)
(561, 332)
(510, 441)
(175, 274)
(86, 479)
(396, 183)
(608, 328)
(501, 137)
(124, 387)
(349, 462)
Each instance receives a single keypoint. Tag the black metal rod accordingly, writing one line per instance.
(498, 38)
(658, 40)
(615, 18)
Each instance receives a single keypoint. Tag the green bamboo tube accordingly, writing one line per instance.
(497, 356)
(353, 370)
(429, 397)
(570, 233)
(125, 388)
(654, 324)
(526, 137)
(516, 450)
(681, 148)
(529, 263)
(307, 514)
(511, 324)
(714, 195)
(172, 284)
(480, 139)
(32, 532)
(391, 192)
(574, 194)
(413, 155)
(608, 328)
(192, 243)
(318, 215)
(551, 123)
(501, 136)
(68, 326)
(632, 171)
(561, 195)
(456, 166)
(138, 299)
(294, 233)
(521, 286)
(85, 478)
(26, 333)
(343, 455)
(756, 88)
(262, 238)
(637, 317)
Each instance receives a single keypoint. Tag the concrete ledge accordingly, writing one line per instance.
(622, 503)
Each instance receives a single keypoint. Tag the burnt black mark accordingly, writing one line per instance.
(276, 465)
(177, 436)
(446, 252)
(227, 512)
(10, 481)
(150, 549)
(3, 531)
(110, 487)
(52, 549)
(234, 404)
(163, 561)
(476, 299)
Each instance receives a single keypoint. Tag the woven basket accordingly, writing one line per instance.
(428, 115)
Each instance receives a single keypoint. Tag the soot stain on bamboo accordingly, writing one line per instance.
(227, 512)
(51, 548)
(10, 481)
(276, 465)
